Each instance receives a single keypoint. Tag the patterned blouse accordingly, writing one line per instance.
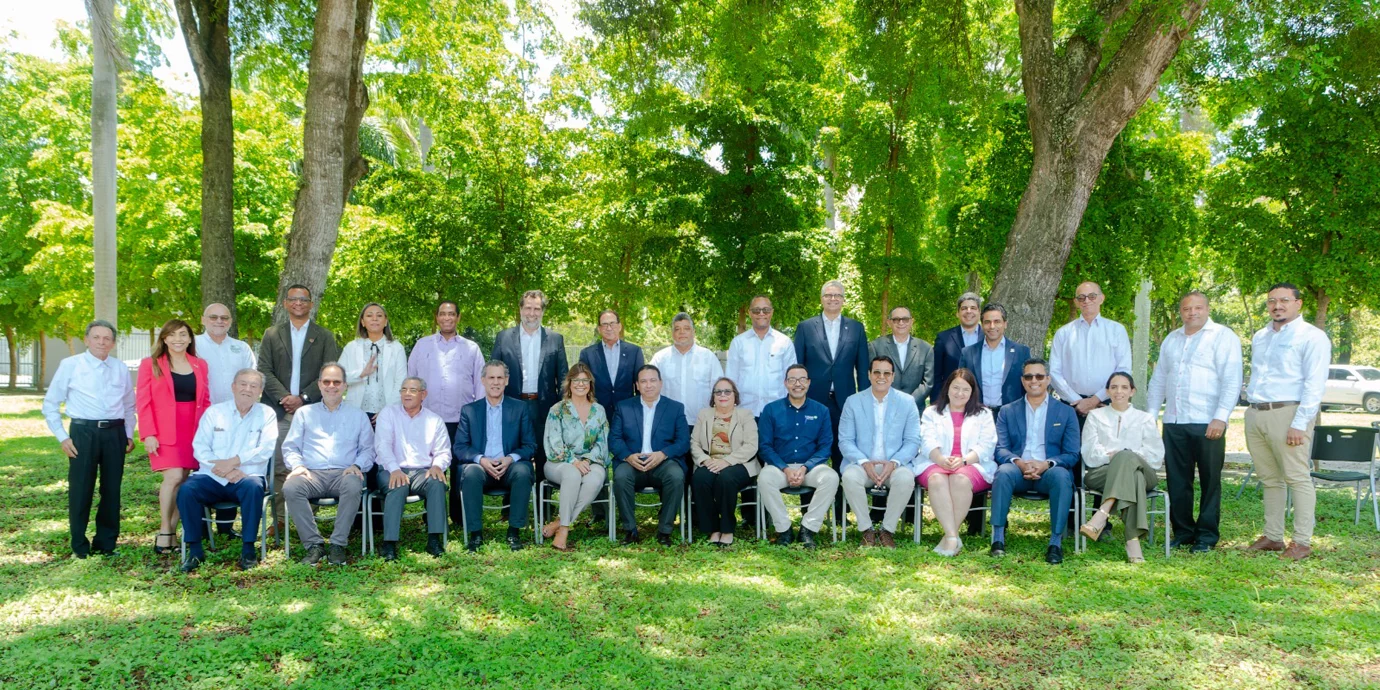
(568, 439)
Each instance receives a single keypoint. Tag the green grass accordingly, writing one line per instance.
(605, 616)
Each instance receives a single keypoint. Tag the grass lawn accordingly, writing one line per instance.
(690, 616)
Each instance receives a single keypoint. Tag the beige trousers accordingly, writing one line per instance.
(823, 479)
(1282, 468)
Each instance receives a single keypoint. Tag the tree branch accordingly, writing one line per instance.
(191, 33)
(1038, 76)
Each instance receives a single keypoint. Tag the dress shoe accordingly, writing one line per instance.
(229, 535)
(389, 551)
(514, 541)
(630, 538)
(79, 555)
(1266, 544)
(998, 548)
(1181, 542)
(476, 540)
(1054, 555)
(887, 540)
(108, 553)
(784, 538)
(249, 561)
(665, 539)
(1200, 547)
(191, 564)
(1296, 552)
(337, 556)
(869, 537)
(315, 553)
(807, 538)
(434, 545)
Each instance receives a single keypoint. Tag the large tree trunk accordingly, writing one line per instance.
(104, 91)
(206, 29)
(1323, 301)
(331, 163)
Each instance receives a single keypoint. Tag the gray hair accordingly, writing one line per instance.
(1195, 293)
(496, 364)
(248, 371)
(100, 323)
(421, 382)
(833, 282)
(682, 316)
(329, 365)
(973, 297)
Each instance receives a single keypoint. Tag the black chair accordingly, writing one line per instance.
(1349, 445)
(880, 492)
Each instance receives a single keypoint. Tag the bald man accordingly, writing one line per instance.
(1086, 351)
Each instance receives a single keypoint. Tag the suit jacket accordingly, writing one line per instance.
(846, 371)
(471, 437)
(900, 428)
(552, 367)
(948, 356)
(914, 377)
(742, 439)
(1016, 354)
(670, 433)
(1063, 441)
(156, 404)
(611, 393)
(275, 363)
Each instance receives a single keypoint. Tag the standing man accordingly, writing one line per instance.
(290, 357)
(413, 455)
(880, 437)
(758, 358)
(648, 440)
(100, 403)
(949, 344)
(225, 356)
(1289, 361)
(996, 362)
(535, 355)
(833, 349)
(690, 369)
(451, 365)
(1198, 378)
(493, 450)
(794, 437)
(614, 362)
(1085, 353)
(914, 357)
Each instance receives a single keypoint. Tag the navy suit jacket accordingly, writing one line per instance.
(471, 437)
(847, 371)
(670, 433)
(552, 367)
(1062, 437)
(948, 356)
(1016, 354)
(610, 393)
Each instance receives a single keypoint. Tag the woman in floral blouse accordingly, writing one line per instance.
(577, 451)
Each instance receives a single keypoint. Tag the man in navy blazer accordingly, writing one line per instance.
(1037, 450)
(996, 362)
(833, 350)
(949, 344)
(612, 352)
(535, 355)
(493, 449)
(648, 440)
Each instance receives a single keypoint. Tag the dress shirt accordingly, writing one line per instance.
(1290, 364)
(1035, 430)
(223, 360)
(299, 343)
(493, 432)
(790, 435)
(322, 439)
(382, 388)
(902, 349)
(972, 337)
(831, 333)
(92, 389)
(1198, 377)
(224, 433)
(1108, 430)
(758, 365)
(611, 359)
(879, 429)
(993, 372)
(405, 442)
(688, 377)
(454, 373)
(648, 413)
(530, 343)
(1084, 355)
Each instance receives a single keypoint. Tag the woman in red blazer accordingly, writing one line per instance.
(172, 393)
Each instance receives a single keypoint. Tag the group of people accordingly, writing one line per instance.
(975, 416)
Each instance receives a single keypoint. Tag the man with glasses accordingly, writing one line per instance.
(690, 369)
(451, 364)
(949, 344)
(880, 437)
(1085, 353)
(1037, 450)
(914, 357)
(535, 355)
(833, 349)
(413, 454)
(614, 362)
(1289, 359)
(758, 358)
(224, 357)
(996, 361)
(794, 437)
(290, 357)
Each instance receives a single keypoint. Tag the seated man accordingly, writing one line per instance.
(413, 452)
(328, 449)
(649, 440)
(879, 437)
(1037, 449)
(794, 437)
(493, 450)
(233, 445)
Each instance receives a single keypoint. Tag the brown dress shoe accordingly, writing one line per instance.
(1296, 552)
(869, 537)
(1266, 544)
(886, 540)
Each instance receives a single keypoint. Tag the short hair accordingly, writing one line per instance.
(214, 304)
(421, 382)
(575, 370)
(1194, 293)
(331, 365)
(648, 367)
(363, 332)
(993, 306)
(973, 297)
(900, 306)
(531, 294)
(1035, 360)
(248, 370)
(737, 400)
(833, 282)
(974, 404)
(443, 303)
(681, 316)
(297, 286)
(99, 323)
(795, 366)
(1298, 295)
(760, 296)
(600, 317)
(882, 358)
(1129, 379)
(495, 364)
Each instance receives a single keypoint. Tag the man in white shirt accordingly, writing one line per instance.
(412, 449)
(758, 359)
(100, 403)
(224, 357)
(879, 436)
(1289, 361)
(1198, 379)
(1085, 353)
(688, 369)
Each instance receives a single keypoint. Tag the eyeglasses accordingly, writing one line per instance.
(1281, 301)
(832, 295)
(411, 389)
(723, 391)
(608, 324)
(798, 379)
(1088, 296)
(575, 381)
(901, 319)
(883, 374)
(760, 310)
(218, 317)
(329, 383)
(306, 300)
(1034, 377)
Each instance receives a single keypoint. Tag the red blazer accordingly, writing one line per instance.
(156, 405)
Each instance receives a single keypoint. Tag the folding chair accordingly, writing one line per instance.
(1351, 446)
(325, 503)
(499, 491)
(652, 491)
(985, 509)
(879, 492)
(543, 502)
(689, 520)
(1075, 509)
(792, 491)
(369, 513)
(1085, 512)
(210, 522)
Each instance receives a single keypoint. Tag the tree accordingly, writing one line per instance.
(105, 58)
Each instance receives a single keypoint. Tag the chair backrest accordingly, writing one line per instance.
(1350, 444)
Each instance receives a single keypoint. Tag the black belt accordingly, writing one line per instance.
(99, 423)
(1273, 405)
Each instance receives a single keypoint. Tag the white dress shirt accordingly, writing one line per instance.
(383, 387)
(1290, 364)
(299, 343)
(530, 344)
(1198, 377)
(1110, 431)
(688, 377)
(224, 433)
(648, 414)
(831, 332)
(92, 389)
(612, 353)
(758, 366)
(1084, 355)
(879, 428)
(902, 349)
(405, 442)
(322, 439)
(223, 359)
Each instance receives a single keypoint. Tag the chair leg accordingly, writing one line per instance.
(536, 524)
(919, 513)
(287, 532)
(1165, 497)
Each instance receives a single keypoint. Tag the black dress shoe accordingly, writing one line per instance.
(191, 564)
(807, 538)
(229, 535)
(663, 539)
(249, 562)
(337, 556)
(109, 553)
(389, 551)
(1200, 547)
(1054, 555)
(998, 548)
(785, 538)
(630, 538)
(476, 540)
(1181, 542)
(315, 553)
(514, 540)
(434, 545)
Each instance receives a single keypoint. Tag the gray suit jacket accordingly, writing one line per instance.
(917, 375)
(275, 363)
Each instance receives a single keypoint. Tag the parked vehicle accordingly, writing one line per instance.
(1353, 386)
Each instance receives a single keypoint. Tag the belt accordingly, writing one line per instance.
(527, 396)
(99, 423)
(1273, 405)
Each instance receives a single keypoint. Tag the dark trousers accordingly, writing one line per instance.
(99, 452)
(668, 478)
(1056, 483)
(474, 481)
(716, 496)
(395, 501)
(1186, 447)
(201, 490)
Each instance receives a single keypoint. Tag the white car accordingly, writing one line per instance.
(1353, 386)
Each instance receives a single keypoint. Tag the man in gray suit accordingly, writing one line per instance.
(914, 357)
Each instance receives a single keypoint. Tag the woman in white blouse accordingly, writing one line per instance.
(375, 363)
(1122, 452)
(957, 441)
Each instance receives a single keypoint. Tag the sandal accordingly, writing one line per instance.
(1091, 529)
(160, 549)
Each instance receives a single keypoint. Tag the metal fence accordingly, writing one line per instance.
(27, 365)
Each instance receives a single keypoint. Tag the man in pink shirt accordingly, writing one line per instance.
(451, 365)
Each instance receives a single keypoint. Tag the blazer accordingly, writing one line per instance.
(611, 393)
(275, 363)
(670, 433)
(948, 355)
(1062, 439)
(519, 436)
(742, 439)
(846, 371)
(977, 434)
(900, 429)
(1016, 354)
(914, 377)
(156, 405)
(552, 367)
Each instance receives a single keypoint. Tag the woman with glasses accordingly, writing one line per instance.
(375, 363)
(723, 445)
(1122, 453)
(577, 451)
(958, 439)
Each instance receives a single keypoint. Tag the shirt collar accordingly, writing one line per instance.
(1001, 345)
(608, 347)
(96, 361)
(1043, 404)
(829, 320)
(303, 329)
(898, 341)
(492, 406)
(652, 406)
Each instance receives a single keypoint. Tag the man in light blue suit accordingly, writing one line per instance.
(1037, 450)
(996, 362)
(879, 436)
(648, 440)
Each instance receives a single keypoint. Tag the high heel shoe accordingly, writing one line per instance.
(163, 550)
(1092, 529)
(1133, 553)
